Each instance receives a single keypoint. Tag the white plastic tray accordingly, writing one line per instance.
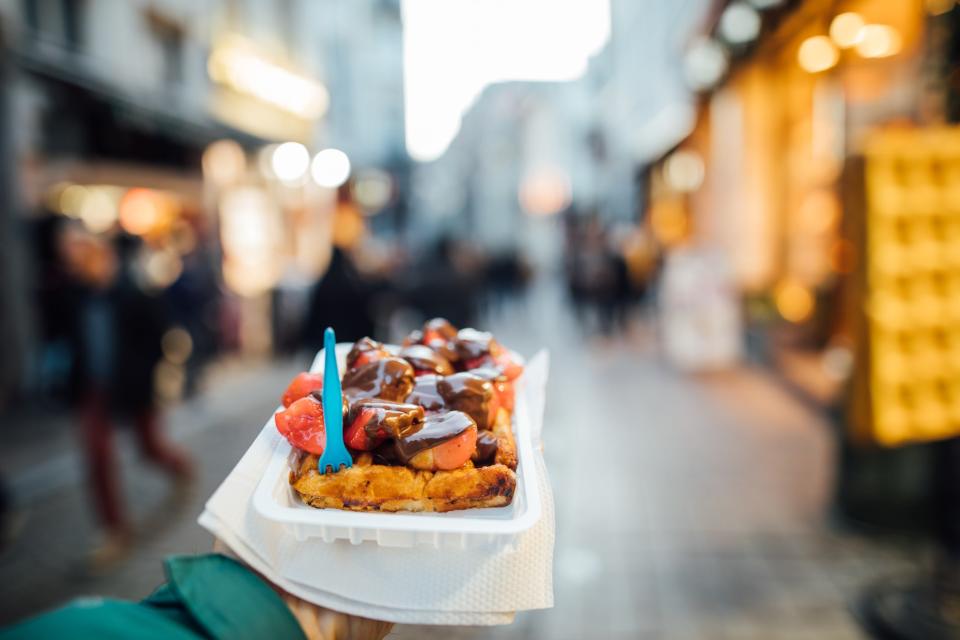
(276, 501)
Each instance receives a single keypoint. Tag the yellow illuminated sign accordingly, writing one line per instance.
(913, 284)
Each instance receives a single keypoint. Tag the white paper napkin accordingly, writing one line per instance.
(420, 585)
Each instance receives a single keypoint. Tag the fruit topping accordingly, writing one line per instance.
(302, 424)
(365, 351)
(301, 386)
(425, 360)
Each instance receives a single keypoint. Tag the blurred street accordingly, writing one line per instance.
(687, 507)
(734, 224)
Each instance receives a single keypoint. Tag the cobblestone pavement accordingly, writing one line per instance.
(687, 506)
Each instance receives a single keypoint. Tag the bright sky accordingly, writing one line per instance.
(454, 48)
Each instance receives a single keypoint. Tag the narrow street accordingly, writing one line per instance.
(687, 506)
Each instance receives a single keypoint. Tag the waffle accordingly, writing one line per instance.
(376, 487)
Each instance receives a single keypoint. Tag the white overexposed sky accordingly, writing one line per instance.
(452, 49)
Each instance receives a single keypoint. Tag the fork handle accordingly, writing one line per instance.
(332, 396)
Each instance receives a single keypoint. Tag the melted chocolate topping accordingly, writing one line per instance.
(424, 358)
(441, 326)
(473, 344)
(468, 393)
(363, 346)
(489, 373)
(388, 379)
(436, 429)
(486, 448)
(426, 394)
(414, 337)
(390, 419)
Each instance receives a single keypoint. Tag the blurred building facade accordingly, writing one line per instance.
(818, 166)
(528, 150)
(103, 100)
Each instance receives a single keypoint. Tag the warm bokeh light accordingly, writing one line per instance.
(669, 222)
(545, 191)
(236, 63)
(847, 29)
(140, 211)
(349, 227)
(879, 41)
(289, 162)
(820, 211)
(683, 171)
(794, 301)
(224, 162)
(330, 168)
(817, 53)
(71, 200)
(251, 234)
(98, 209)
(161, 268)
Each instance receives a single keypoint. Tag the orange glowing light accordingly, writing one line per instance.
(817, 53)
(141, 210)
(847, 29)
(879, 41)
(545, 192)
(668, 220)
(794, 301)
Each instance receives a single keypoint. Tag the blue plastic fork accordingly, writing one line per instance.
(335, 455)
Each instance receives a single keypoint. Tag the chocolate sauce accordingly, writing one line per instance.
(414, 337)
(386, 454)
(364, 346)
(446, 349)
(423, 358)
(473, 344)
(441, 326)
(468, 393)
(389, 379)
(435, 429)
(426, 394)
(390, 419)
(489, 373)
(486, 448)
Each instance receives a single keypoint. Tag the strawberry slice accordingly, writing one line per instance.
(356, 436)
(478, 363)
(367, 357)
(431, 336)
(301, 386)
(302, 424)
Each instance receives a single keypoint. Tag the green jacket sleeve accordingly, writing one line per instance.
(207, 596)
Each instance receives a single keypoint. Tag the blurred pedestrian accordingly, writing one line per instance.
(118, 333)
(448, 282)
(341, 297)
